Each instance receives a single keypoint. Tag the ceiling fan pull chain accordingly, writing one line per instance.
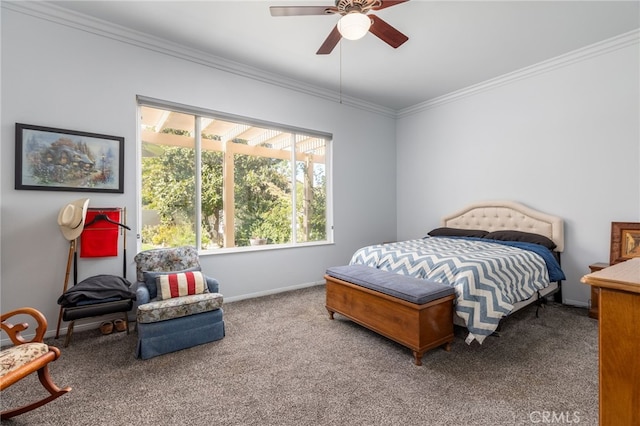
(340, 72)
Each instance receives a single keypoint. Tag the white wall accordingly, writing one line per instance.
(563, 139)
(57, 76)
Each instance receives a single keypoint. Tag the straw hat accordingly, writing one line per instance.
(71, 218)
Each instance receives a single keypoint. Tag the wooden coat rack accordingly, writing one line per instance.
(72, 259)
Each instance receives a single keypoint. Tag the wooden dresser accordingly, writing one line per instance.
(619, 341)
(593, 308)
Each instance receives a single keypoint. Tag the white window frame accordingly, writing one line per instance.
(200, 113)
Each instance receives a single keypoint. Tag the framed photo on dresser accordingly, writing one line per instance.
(625, 241)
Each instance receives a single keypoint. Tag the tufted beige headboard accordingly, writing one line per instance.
(502, 215)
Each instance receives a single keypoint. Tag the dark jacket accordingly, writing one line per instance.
(98, 287)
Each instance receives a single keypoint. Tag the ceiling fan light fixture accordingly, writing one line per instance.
(354, 25)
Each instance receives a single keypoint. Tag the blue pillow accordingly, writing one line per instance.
(150, 279)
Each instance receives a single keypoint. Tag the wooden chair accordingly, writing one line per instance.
(26, 357)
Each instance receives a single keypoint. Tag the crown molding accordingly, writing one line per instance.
(596, 49)
(59, 15)
(81, 22)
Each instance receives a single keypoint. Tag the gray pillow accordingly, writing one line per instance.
(455, 232)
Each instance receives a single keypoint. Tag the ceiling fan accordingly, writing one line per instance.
(354, 23)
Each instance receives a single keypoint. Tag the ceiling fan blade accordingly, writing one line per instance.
(301, 10)
(388, 3)
(330, 42)
(386, 32)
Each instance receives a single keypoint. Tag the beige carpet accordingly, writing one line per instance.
(283, 362)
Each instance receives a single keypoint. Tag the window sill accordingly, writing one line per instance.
(265, 247)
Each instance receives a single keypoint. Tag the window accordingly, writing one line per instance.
(216, 181)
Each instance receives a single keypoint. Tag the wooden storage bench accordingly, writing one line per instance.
(414, 312)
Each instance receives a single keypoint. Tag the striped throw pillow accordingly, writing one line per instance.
(181, 284)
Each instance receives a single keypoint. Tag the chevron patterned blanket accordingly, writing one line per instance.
(488, 277)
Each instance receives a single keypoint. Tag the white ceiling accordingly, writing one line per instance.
(452, 44)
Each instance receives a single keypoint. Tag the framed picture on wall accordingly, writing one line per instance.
(625, 241)
(49, 159)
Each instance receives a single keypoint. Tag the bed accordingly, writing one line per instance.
(499, 256)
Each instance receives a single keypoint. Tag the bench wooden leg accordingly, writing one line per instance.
(417, 358)
(67, 338)
(125, 318)
(330, 313)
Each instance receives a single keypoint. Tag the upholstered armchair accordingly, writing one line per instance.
(178, 306)
(26, 357)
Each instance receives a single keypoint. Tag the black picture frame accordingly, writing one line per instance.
(51, 159)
